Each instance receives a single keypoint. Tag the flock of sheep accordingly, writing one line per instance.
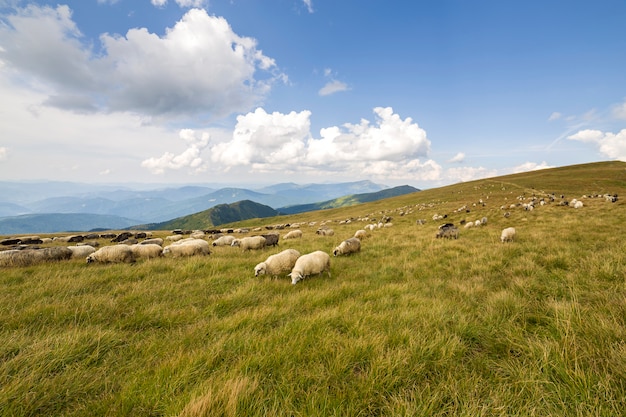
(130, 247)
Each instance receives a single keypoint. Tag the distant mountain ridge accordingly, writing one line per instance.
(162, 204)
(246, 209)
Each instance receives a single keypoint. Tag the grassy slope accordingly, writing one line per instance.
(412, 325)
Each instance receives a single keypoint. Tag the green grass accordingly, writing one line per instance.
(410, 326)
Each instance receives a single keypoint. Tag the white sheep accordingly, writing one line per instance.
(188, 248)
(224, 240)
(294, 234)
(360, 234)
(174, 238)
(250, 242)
(348, 246)
(325, 232)
(147, 251)
(81, 251)
(309, 264)
(507, 234)
(156, 241)
(277, 264)
(112, 254)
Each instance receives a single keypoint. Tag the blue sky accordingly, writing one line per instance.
(425, 93)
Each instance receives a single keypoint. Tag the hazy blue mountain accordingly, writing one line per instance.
(10, 209)
(61, 222)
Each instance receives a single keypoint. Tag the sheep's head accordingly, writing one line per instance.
(235, 242)
(295, 277)
(90, 259)
(260, 269)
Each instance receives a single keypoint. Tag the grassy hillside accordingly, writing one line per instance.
(410, 326)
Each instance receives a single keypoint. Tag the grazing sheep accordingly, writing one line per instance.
(155, 241)
(309, 264)
(224, 240)
(448, 231)
(325, 232)
(112, 254)
(347, 247)
(174, 238)
(27, 257)
(271, 239)
(360, 234)
(147, 251)
(508, 234)
(294, 234)
(81, 251)
(248, 243)
(277, 264)
(188, 248)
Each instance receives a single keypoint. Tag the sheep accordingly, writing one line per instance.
(277, 264)
(188, 248)
(360, 234)
(226, 240)
(271, 239)
(147, 251)
(174, 238)
(325, 232)
(155, 240)
(33, 256)
(309, 264)
(448, 231)
(248, 243)
(507, 234)
(294, 234)
(348, 246)
(81, 251)
(112, 254)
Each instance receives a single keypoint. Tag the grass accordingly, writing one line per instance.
(411, 326)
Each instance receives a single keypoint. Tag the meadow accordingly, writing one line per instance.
(410, 326)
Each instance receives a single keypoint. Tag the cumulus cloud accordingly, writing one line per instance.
(610, 144)
(458, 158)
(4, 152)
(199, 67)
(465, 174)
(531, 166)
(189, 158)
(277, 142)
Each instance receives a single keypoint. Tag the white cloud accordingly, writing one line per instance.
(309, 5)
(189, 158)
(181, 3)
(531, 166)
(4, 152)
(610, 144)
(458, 158)
(332, 86)
(279, 142)
(139, 72)
(465, 174)
(619, 111)
(555, 116)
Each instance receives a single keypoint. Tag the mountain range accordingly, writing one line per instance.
(47, 207)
